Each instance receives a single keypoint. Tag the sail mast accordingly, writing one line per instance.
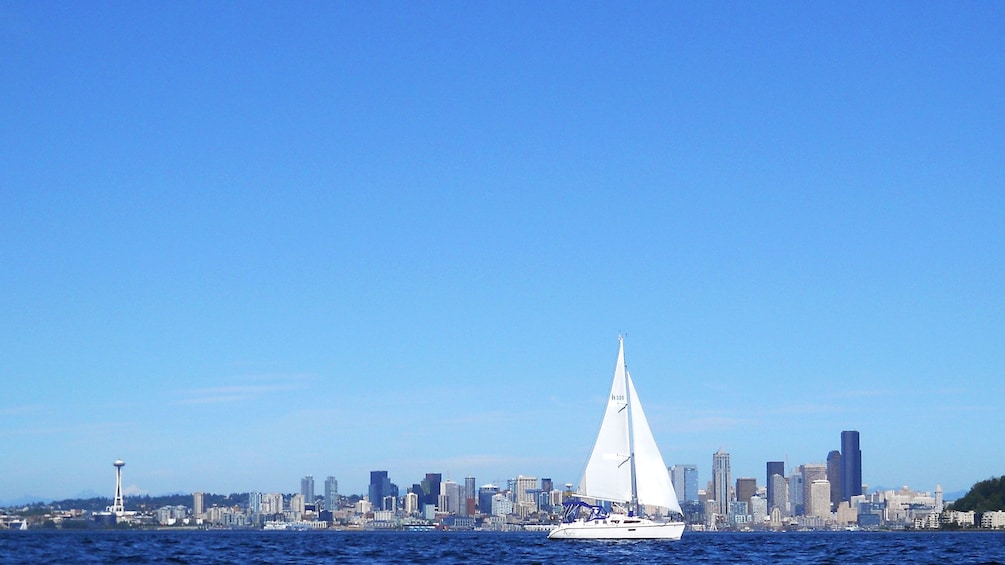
(634, 509)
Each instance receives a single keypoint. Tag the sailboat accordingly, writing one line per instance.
(626, 470)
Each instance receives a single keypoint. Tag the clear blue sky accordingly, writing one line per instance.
(243, 242)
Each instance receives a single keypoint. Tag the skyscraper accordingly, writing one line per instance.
(685, 482)
(851, 465)
(746, 488)
(834, 477)
(774, 468)
(468, 506)
(197, 503)
(524, 486)
(818, 498)
(307, 489)
(455, 496)
(780, 495)
(431, 488)
(796, 491)
(331, 494)
(485, 494)
(721, 480)
(255, 502)
(382, 492)
(811, 472)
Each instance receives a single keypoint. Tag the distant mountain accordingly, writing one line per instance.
(143, 503)
(955, 495)
(24, 500)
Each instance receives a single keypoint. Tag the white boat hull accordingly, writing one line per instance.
(615, 530)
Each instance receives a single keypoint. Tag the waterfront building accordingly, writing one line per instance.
(383, 516)
(721, 482)
(851, 465)
(685, 482)
(963, 519)
(307, 489)
(331, 494)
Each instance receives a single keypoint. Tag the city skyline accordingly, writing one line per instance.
(363, 236)
(685, 478)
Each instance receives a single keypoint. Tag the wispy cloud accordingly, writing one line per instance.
(25, 410)
(875, 393)
(713, 423)
(252, 387)
(65, 430)
(803, 409)
(964, 409)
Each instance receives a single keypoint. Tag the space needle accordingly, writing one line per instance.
(118, 508)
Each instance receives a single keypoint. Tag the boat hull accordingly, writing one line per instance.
(598, 529)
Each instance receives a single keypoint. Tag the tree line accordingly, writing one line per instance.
(984, 496)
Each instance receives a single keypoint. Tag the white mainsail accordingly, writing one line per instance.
(608, 473)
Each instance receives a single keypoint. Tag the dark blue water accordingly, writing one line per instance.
(459, 547)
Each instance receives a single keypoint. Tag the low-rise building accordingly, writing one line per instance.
(994, 519)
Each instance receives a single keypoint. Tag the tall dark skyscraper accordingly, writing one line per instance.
(485, 498)
(431, 488)
(851, 465)
(381, 487)
(773, 468)
(834, 476)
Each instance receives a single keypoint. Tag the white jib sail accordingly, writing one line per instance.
(652, 480)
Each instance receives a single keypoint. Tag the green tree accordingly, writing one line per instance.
(984, 496)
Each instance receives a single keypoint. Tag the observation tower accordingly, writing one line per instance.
(118, 508)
